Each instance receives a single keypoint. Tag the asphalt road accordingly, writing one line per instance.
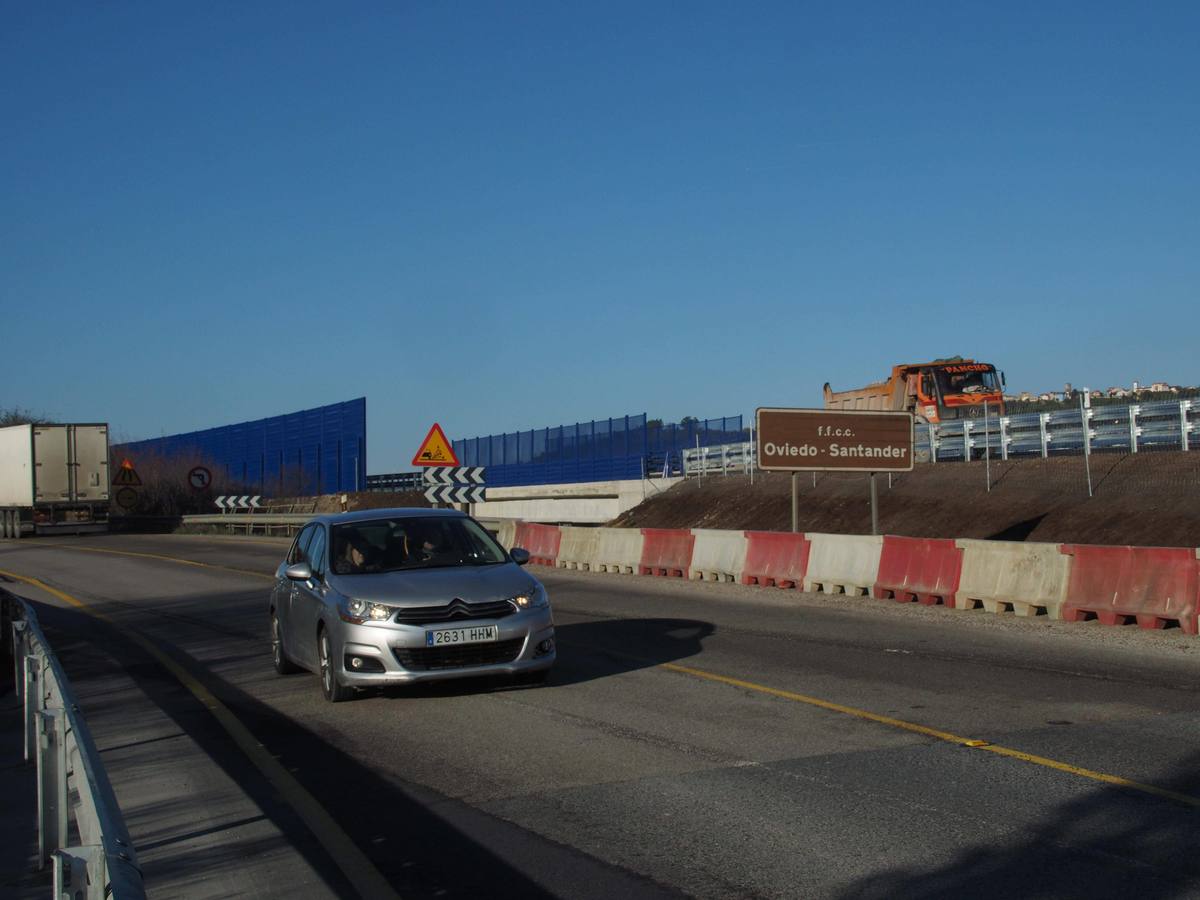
(694, 739)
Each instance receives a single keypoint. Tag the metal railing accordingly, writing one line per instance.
(719, 460)
(1160, 425)
(396, 482)
(279, 524)
(72, 783)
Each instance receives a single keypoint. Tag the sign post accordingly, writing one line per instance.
(795, 503)
(874, 505)
(833, 440)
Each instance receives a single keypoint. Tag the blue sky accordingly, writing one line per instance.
(504, 216)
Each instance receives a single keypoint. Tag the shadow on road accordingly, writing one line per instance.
(606, 647)
(1110, 843)
(422, 856)
(587, 651)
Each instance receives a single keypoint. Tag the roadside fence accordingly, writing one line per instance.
(1161, 425)
(616, 449)
(1137, 428)
(73, 788)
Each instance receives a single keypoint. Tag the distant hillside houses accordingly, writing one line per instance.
(1113, 393)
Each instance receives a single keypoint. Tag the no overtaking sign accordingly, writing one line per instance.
(824, 440)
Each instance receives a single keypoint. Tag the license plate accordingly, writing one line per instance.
(447, 636)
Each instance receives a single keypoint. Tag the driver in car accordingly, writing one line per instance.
(355, 556)
(423, 545)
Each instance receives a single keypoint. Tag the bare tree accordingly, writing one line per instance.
(15, 415)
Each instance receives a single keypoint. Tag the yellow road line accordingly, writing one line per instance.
(158, 556)
(346, 855)
(946, 736)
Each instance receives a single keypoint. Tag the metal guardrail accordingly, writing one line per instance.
(246, 522)
(253, 523)
(719, 460)
(71, 780)
(1161, 425)
(397, 482)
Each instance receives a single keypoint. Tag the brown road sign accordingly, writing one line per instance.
(834, 440)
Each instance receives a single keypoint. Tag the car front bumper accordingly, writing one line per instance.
(524, 643)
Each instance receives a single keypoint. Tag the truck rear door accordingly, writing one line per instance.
(91, 462)
(51, 475)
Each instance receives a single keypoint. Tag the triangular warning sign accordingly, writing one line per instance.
(435, 449)
(126, 476)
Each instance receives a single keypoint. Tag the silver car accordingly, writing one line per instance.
(397, 596)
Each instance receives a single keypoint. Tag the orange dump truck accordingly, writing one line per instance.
(937, 391)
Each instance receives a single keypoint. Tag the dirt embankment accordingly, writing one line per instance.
(1145, 499)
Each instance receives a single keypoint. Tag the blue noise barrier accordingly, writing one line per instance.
(314, 451)
(618, 449)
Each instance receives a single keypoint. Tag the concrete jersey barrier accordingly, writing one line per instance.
(541, 541)
(578, 547)
(843, 563)
(1026, 578)
(506, 534)
(618, 550)
(1154, 585)
(666, 551)
(717, 555)
(778, 558)
(922, 569)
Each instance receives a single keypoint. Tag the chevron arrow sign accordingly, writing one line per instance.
(456, 493)
(454, 475)
(225, 503)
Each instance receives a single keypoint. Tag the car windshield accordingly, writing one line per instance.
(972, 378)
(399, 544)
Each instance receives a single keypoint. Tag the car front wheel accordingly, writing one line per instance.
(333, 690)
(283, 665)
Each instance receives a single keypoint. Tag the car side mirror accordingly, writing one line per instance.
(300, 571)
(519, 555)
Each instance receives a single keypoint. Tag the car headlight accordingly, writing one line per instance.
(533, 598)
(363, 610)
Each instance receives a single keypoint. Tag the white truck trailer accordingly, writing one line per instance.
(53, 479)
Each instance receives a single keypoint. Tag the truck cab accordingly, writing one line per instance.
(939, 391)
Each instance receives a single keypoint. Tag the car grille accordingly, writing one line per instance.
(454, 610)
(425, 659)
